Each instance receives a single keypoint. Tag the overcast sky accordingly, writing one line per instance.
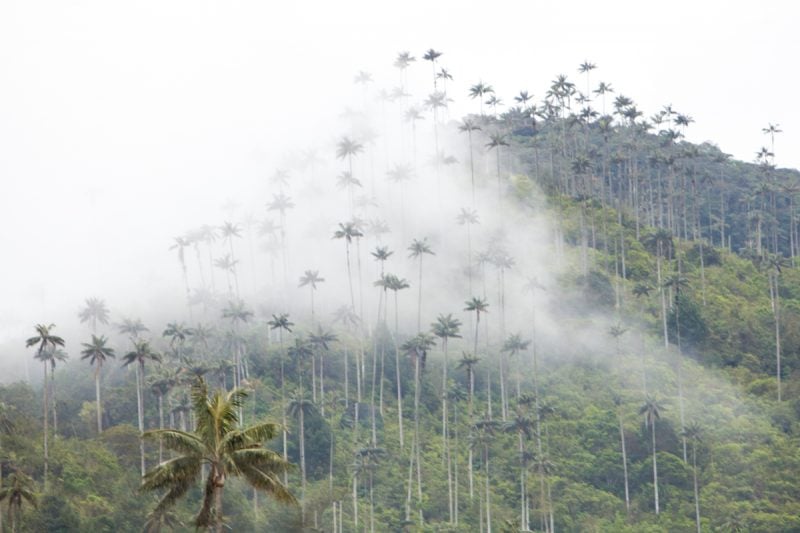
(121, 121)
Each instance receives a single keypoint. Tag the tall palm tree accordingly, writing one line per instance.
(94, 311)
(282, 203)
(692, 432)
(19, 489)
(348, 231)
(417, 348)
(321, 340)
(652, 412)
(432, 55)
(310, 278)
(219, 449)
(479, 90)
(469, 126)
(178, 334)
(446, 327)
(522, 424)
(237, 312)
(418, 249)
(370, 457)
(299, 407)
(230, 231)
(477, 305)
(513, 345)
(132, 327)
(347, 148)
(180, 244)
(141, 353)
(483, 434)
(618, 404)
(661, 243)
(282, 323)
(496, 141)
(46, 341)
(53, 357)
(468, 362)
(97, 352)
(467, 217)
(396, 284)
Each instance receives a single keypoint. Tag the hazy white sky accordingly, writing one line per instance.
(120, 121)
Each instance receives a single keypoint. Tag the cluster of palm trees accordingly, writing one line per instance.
(619, 160)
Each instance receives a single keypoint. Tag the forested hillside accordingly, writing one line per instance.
(551, 315)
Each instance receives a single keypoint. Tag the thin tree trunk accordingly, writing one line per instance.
(46, 431)
(696, 492)
(624, 463)
(97, 399)
(655, 465)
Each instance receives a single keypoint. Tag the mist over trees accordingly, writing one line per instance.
(552, 314)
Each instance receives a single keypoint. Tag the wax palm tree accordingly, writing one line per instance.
(228, 264)
(467, 217)
(282, 323)
(94, 311)
(52, 358)
(477, 305)
(479, 90)
(322, 339)
(310, 278)
(348, 231)
(347, 148)
(432, 55)
(652, 412)
(513, 345)
(160, 386)
(522, 424)
(469, 126)
(417, 250)
(45, 341)
(140, 355)
(299, 407)
(178, 334)
(237, 312)
(180, 244)
(417, 349)
(18, 490)
(446, 327)
(661, 243)
(692, 432)
(496, 141)
(132, 327)
(617, 331)
(483, 434)
(97, 353)
(370, 457)
(220, 448)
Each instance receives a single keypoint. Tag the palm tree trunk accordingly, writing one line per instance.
(303, 466)
(97, 400)
(397, 375)
(419, 297)
(488, 494)
(140, 412)
(161, 426)
(655, 465)
(696, 492)
(283, 407)
(624, 463)
(46, 430)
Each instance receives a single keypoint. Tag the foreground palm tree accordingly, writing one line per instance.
(97, 352)
(19, 489)
(224, 449)
(46, 341)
